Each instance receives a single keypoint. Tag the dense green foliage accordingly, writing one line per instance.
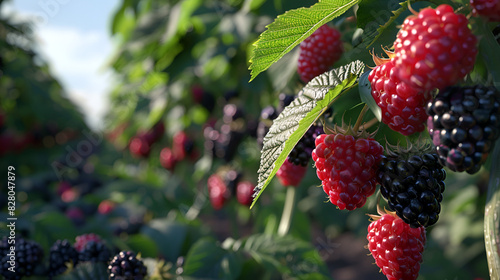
(185, 64)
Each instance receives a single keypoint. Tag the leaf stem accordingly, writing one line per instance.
(286, 217)
(360, 119)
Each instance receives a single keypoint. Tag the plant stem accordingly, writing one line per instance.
(369, 123)
(360, 118)
(286, 216)
(492, 215)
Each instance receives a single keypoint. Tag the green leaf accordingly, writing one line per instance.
(375, 11)
(291, 28)
(296, 118)
(288, 255)
(168, 237)
(365, 92)
(208, 260)
(491, 212)
(86, 271)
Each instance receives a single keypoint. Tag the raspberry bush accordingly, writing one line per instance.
(180, 183)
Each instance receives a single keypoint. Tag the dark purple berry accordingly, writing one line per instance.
(463, 124)
(126, 266)
(413, 187)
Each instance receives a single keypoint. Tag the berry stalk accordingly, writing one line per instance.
(286, 216)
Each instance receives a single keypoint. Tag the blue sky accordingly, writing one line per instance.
(74, 37)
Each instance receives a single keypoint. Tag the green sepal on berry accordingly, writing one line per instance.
(412, 182)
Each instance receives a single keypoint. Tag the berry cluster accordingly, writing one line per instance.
(346, 163)
(319, 52)
(226, 184)
(140, 144)
(464, 123)
(434, 49)
(61, 253)
(413, 185)
(91, 248)
(126, 266)
(182, 147)
(36, 136)
(27, 255)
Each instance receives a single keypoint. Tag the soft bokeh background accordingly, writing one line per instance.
(73, 37)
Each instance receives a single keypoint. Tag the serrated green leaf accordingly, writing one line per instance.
(365, 92)
(296, 118)
(291, 28)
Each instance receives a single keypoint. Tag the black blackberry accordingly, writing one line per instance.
(61, 252)
(301, 153)
(126, 266)
(26, 256)
(464, 123)
(413, 187)
(94, 252)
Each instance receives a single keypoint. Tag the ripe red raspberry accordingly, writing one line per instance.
(487, 8)
(139, 147)
(168, 159)
(244, 193)
(83, 239)
(434, 48)
(106, 207)
(217, 191)
(396, 247)
(318, 52)
(347, 167)
(403, 107)
(290, 174)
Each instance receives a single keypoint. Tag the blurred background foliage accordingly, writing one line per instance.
(182, 66)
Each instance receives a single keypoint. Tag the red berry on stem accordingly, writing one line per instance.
(403, 107)
(244, 193)
(434, 49)
(168, 159)
(217, 191)
(396, 247)
(290, 174)
(347, 167)
(318, 52)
